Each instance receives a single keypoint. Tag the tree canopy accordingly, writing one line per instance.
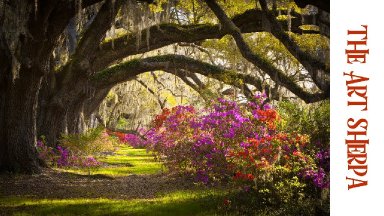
(60, 59)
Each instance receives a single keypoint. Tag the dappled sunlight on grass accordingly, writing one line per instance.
(138, 192)
(201, 202)
(125, 161)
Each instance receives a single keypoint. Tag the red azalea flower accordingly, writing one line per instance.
(227, 202)
(297, 153)
(250, 177)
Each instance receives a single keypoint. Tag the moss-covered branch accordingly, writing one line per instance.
(166, 34)
(318, 70)
(275, 73)
(172, 63)
(89, 42)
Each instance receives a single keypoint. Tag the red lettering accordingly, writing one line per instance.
(359, 183)
(358, 53)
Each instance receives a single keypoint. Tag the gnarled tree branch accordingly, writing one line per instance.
(96, 31)
(314, 66)
(170, 63)
(275, 73)
(167, 34)
(196, 85)
(161, 103)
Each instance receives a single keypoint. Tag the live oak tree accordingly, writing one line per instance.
(59, 59)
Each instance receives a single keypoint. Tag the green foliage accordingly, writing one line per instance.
(310, 27)
(314, 44)
(311, 119)
(283, 186)
(112, 97)
(122, 123)
(314, 120)
(92, 142)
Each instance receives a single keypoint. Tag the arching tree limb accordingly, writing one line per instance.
(275, 74)
(170, 63)
(97, 29)
(167, 34)
(73, 77)
(159, 101)
(318, 70)
(196, 85)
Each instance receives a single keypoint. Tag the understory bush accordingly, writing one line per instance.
(62, 157)
(92, 142)
(246, 143)
(136, 140)
(314, 120)
(77, 150)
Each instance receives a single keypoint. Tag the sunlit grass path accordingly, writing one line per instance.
(177, 203)
(130, 182)
(125, 161)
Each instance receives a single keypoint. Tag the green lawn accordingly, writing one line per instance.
(203, 202)
(123, 162)
(133, 189)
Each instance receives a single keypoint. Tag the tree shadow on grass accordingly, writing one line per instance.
(196, 204)
(60, 185)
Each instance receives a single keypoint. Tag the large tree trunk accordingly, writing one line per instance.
(20, 80)
(90, 107)
(18, 123)
(51, 124)
(5, 76)
(24, 59)
(75, 118)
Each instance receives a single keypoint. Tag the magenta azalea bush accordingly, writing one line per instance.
(135, 140)
(241, 142)
(46, 153)
(63, 157)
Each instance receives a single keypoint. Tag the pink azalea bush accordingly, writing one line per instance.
(241, 142)
(46, 153)
(76, 151)
(63, 157)
(135, 140)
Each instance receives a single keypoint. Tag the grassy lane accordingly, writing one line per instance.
(177, 203)
(123, 162)
(129, 183)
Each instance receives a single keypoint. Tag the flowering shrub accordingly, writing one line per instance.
(63, 157)
(243, 142)
(95, 141)
(90, 163)
(76, 150)
(45, 152)
(120, 136)
(320, 177)
(312, 120)
(135, 141)
(178, 135)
